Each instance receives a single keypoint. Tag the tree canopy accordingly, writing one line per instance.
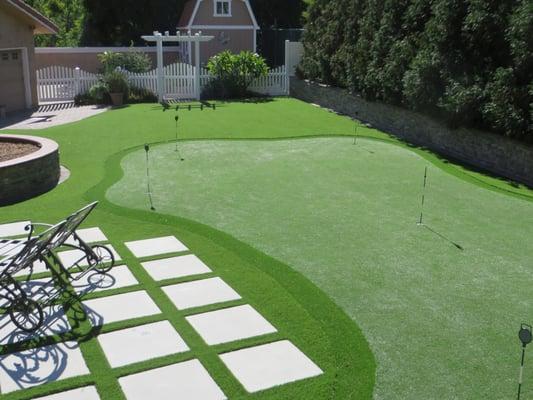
(279, 13)
(68, 15)
(122, 22)
(469, 62)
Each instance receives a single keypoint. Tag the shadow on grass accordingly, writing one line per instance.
(437, 233)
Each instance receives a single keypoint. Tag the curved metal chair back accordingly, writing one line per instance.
(71, 224)
(33, 250)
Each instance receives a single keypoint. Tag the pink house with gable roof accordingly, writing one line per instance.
(231, 22)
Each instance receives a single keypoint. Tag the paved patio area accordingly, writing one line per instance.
(49, 115)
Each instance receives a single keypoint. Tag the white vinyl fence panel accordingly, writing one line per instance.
(179, 81)
(147, 80)
(276, 83)
(294, 52)
(56, 83)
(205, 77)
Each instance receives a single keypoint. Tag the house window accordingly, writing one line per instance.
(222, 8)
(5, 56)
(14, 56)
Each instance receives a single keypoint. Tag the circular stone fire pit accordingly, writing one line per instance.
(29, 166)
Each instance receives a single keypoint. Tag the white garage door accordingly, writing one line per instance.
(12, 92)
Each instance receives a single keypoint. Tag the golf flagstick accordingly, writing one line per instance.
(147, 150)
(355, 133)
(176, 118)
(525, 337)
(421, 221)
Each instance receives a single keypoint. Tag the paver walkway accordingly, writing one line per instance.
(128, 340)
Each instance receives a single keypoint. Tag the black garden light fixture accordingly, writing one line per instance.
(525, 336)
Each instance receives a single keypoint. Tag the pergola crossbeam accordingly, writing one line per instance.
(159, 39)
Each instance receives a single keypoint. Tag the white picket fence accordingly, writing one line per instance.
(179, 81)
(56, 83)
(276, 83)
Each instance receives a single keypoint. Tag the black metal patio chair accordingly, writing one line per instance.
(26, 313)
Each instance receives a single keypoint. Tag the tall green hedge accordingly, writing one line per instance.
(469, 62)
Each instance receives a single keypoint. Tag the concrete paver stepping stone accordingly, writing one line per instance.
(200, 293)
(69, 257)
(274, 364)
(84, 393)
(120, 307)
(186, 380)
(141, 343)
(54, 322)
(175, 267)
(14, 229)
(230, 324)
(42, 365)
(155, 246)
(89, 235)
(118, 277)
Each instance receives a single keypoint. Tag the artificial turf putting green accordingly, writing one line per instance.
(94, 148)
(345, 216)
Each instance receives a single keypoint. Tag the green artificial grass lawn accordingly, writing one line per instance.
(301, 312)
(441, 322)
(345, 216)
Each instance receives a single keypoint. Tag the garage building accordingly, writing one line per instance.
(18, 25)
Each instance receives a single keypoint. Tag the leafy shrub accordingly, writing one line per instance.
(113, 82)
(468, 62)
(503, 109)
(83, 99)
(97, 94)
(136, 62)
(422, 83)
(234, 73)
(116, 82)
(462, 103)
(141, 95)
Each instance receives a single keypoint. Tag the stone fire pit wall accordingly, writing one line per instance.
(29, 176)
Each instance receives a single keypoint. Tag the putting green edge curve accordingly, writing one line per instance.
(357, 366)
(353, 350)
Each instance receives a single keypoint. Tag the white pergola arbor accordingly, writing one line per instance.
(159, 38)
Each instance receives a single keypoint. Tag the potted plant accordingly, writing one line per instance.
(118, 87)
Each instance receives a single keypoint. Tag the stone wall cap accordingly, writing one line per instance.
(46, 147)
